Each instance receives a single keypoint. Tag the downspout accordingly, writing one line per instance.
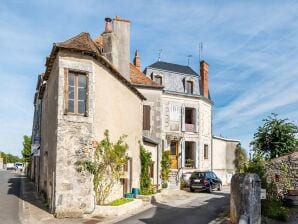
(157, 182)
(211, 139)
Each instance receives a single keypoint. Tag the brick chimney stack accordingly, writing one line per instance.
(137, 60)
(204, 78)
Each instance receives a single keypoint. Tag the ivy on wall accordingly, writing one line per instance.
(165, 168)
(146, 186)
(106, 166)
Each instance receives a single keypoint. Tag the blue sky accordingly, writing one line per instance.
(251, 48)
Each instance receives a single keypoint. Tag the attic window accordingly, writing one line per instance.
(75, 93)
(158, 79)
(189, 87)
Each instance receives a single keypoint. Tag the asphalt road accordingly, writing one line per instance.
(190, 208)
(10, 185)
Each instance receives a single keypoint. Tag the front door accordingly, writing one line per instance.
(174, 154)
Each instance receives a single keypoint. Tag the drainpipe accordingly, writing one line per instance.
(211, 139)
(157, 170)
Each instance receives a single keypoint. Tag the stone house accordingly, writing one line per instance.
(84, 91)
(89, 85)
(177, 113)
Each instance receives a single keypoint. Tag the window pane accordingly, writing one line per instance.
(71, 79)
(71, 106)
(70, 92)
(81, 107)
(81, 93)
(82, 80)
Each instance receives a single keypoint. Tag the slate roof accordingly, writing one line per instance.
(84, 44)
(138, 78)
(173, 67)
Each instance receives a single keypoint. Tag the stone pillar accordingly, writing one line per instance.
(245, 198)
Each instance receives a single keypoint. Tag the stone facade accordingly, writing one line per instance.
(283, 171)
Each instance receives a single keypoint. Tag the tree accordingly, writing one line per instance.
(26, 152)
(9, 158)
(240, 159)
(257, 165)
(107, 166)
(275, 138)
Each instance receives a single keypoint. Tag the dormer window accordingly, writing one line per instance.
(189, 87)
(158, 79)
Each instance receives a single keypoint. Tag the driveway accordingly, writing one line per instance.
(184, 207)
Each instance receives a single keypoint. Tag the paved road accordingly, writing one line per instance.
(10, 185)
(186, 208)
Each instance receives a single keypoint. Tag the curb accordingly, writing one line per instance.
(24, 208)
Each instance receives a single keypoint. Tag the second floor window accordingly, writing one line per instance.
(76, 96)
(189, 87)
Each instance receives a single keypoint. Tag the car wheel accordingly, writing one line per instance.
(191, 189)
(219, 188)
(209, 189)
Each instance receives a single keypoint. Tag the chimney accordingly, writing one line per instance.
(137, 60)
(121, 28)
(116, 44)
(108, 28)
(204, 78)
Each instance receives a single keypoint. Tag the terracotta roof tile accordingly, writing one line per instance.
(139, 78)
(82, 42)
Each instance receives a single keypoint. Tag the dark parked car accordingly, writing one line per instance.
(206, 180)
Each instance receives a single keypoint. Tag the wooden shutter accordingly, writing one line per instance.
(146, 117)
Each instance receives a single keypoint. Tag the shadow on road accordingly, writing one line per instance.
(24, 189)
(201, 213)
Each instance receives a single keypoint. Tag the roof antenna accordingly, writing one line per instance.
(159, 54)
(188, 58)
(201, 51)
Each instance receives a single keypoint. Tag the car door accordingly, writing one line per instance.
(214, 180)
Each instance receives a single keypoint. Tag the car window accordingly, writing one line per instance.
(197, 175)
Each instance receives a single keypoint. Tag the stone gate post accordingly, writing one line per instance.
(245, 199)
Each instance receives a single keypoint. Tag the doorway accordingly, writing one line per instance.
(174, 154)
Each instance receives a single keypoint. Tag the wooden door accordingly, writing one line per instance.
(174, 154)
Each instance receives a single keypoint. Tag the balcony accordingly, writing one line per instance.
(190, 127)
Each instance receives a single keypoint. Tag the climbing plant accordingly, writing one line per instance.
(146, 162)
(165, 167)
(106, 166)
(240, 159)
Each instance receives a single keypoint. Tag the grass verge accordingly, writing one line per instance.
(120, 201)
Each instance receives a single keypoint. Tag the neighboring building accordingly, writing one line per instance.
(84, 91)
(177, 112)
(1, 163)
(223, 156)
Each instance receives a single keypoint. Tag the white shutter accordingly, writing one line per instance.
(196, 155)
(183, 153)
(196, 120)
(182, 118)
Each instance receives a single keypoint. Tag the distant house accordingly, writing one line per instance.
(223, 158)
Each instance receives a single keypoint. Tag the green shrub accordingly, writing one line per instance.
(272, 208)
(146, 186)
(120, 201)
(165, 167)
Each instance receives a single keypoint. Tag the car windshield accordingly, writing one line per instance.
(198, 175)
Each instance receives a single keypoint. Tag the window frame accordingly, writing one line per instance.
(158, 77)
(191, 86)
(76, 74)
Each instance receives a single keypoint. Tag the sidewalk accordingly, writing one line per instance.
(34, 211)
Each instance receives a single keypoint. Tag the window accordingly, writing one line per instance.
(189, 87)
(158, 79)
(173, 148)
(189, 115)
(205, 151)
(76, 93)
(146, 117)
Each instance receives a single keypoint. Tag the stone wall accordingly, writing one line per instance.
(283, 171)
